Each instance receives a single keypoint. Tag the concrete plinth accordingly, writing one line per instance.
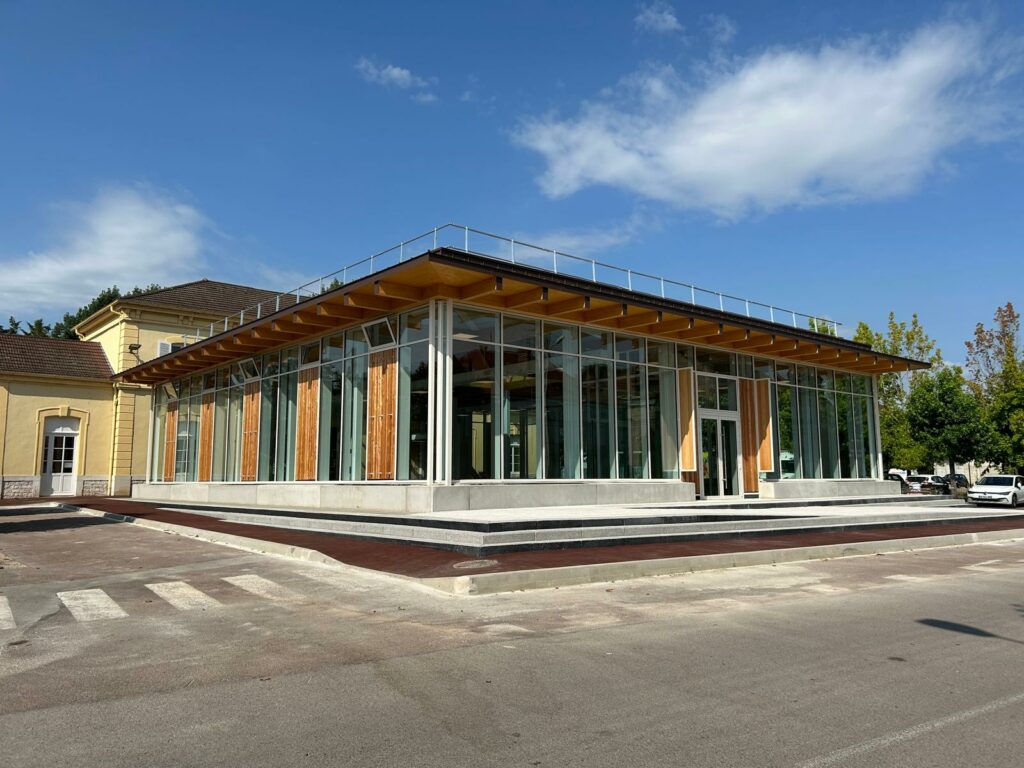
(823, 489)
(414, 498)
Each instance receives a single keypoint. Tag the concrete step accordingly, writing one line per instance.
(552, 534)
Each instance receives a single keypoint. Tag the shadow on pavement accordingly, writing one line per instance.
(966, 629)
(53, 524)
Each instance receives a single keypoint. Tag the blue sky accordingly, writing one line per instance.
(842, 160)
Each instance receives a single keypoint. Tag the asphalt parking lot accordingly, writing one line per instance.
(125, 646)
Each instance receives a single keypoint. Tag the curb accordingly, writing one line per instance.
(573, 575)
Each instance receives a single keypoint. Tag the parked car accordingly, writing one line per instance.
(957, 480)
(927, 484)
(897, 477)
(997, 489)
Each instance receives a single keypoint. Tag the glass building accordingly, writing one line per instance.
(452, 369)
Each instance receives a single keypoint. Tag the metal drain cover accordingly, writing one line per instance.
(475, 564)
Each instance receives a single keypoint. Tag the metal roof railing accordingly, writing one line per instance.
(474, 241)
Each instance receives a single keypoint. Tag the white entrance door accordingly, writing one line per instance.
(60, 443)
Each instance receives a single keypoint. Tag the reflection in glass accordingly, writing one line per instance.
(561, 416)
(353, 441)
(829, 436)
(598, 423)
(413, 407)
(329, 460)
(630, 385)
(474, 396)
(663, 408)
(520, 398)
(709, 456)
(789, 432)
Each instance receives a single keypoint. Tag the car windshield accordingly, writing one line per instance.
(996, 481)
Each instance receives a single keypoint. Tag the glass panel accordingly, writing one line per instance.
(847, 430)
(789, 432)
(730, 458)
(333, 348)
(785, 373)
(629, 348)
(598, 424)
(471, 325)
(826, 380)
(353, 443)
(660, 353)
(709, 456)
(561, 416)
(288, 396)
(220, 434)
(707, 392)
(714, 361)
(413, 407)
(727, 398)
(233, 443)
(268, 429)
(805, 376)
(329, 459)
(181, 444)
(684, 356)
(474, 397)
(631, 406)
(663, 407)
(310, 354)
(272, 364)
(520, 332)
(844, 382)
(520, 396)
(379, 334)
(193, 437)
(829, 435)
(561, 338)
(414, 325)
(355, 342)
(867, 431)
(156, 467)
(745, 366)
(223, 378)
(596, 343)
(209, 381)
(809, 459)
(763, 369)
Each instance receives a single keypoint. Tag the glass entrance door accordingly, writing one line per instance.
(720, 451)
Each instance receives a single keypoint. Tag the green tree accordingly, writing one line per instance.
(995, 362)
(64, 329)
(37, 328)
(900, 447)
(819, 325)
(946, 418)
(13, 326)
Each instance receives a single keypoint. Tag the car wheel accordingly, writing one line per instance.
(1013, 501)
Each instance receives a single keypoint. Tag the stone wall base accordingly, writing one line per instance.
(398, 498)
(20, 488)
(821, 489)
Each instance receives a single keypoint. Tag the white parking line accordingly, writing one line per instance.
(91, 605)
(183, 596)
(6, 617)
(906, 734)
(258, 585)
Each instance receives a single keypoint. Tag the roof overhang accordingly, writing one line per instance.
(488, 282)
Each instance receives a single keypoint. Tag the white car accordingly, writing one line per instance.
(997, 489)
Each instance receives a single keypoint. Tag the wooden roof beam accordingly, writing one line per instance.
(312, 321)
(673, 325)
(701, 331)
(396, 291)
(367, 301)
(567, 306)
(267, 335)
(803, 352)
(754, 341)
(288, 327)
(339, 311)
(638, 319)
(605, 313)
(440, 291)
(776, 347)
(482, 288)
(532, 296)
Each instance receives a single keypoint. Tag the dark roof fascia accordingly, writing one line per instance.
(614, 293)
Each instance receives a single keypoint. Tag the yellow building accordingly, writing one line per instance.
(66, 427)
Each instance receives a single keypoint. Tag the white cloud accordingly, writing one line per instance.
(856, 120)
(657, 16)
(588, 242)
(721, 29)
(424, 97)
(389, 75)
(124, 236)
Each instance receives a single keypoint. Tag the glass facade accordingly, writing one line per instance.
(524, 399)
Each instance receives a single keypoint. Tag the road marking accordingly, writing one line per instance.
(258, 585)
(183, 596)
(6, 617)
(907, 577)
(911, 733)
(91, 605)
(982, 566)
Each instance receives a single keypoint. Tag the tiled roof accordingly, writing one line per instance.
(209, 296)
(53, 357)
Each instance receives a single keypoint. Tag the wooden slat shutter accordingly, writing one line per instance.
(748, 435)
(170, 440)
(687, 423)
(380, 422)
(206, 439)
(250, 430)
(765, 451)
(306, 426)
